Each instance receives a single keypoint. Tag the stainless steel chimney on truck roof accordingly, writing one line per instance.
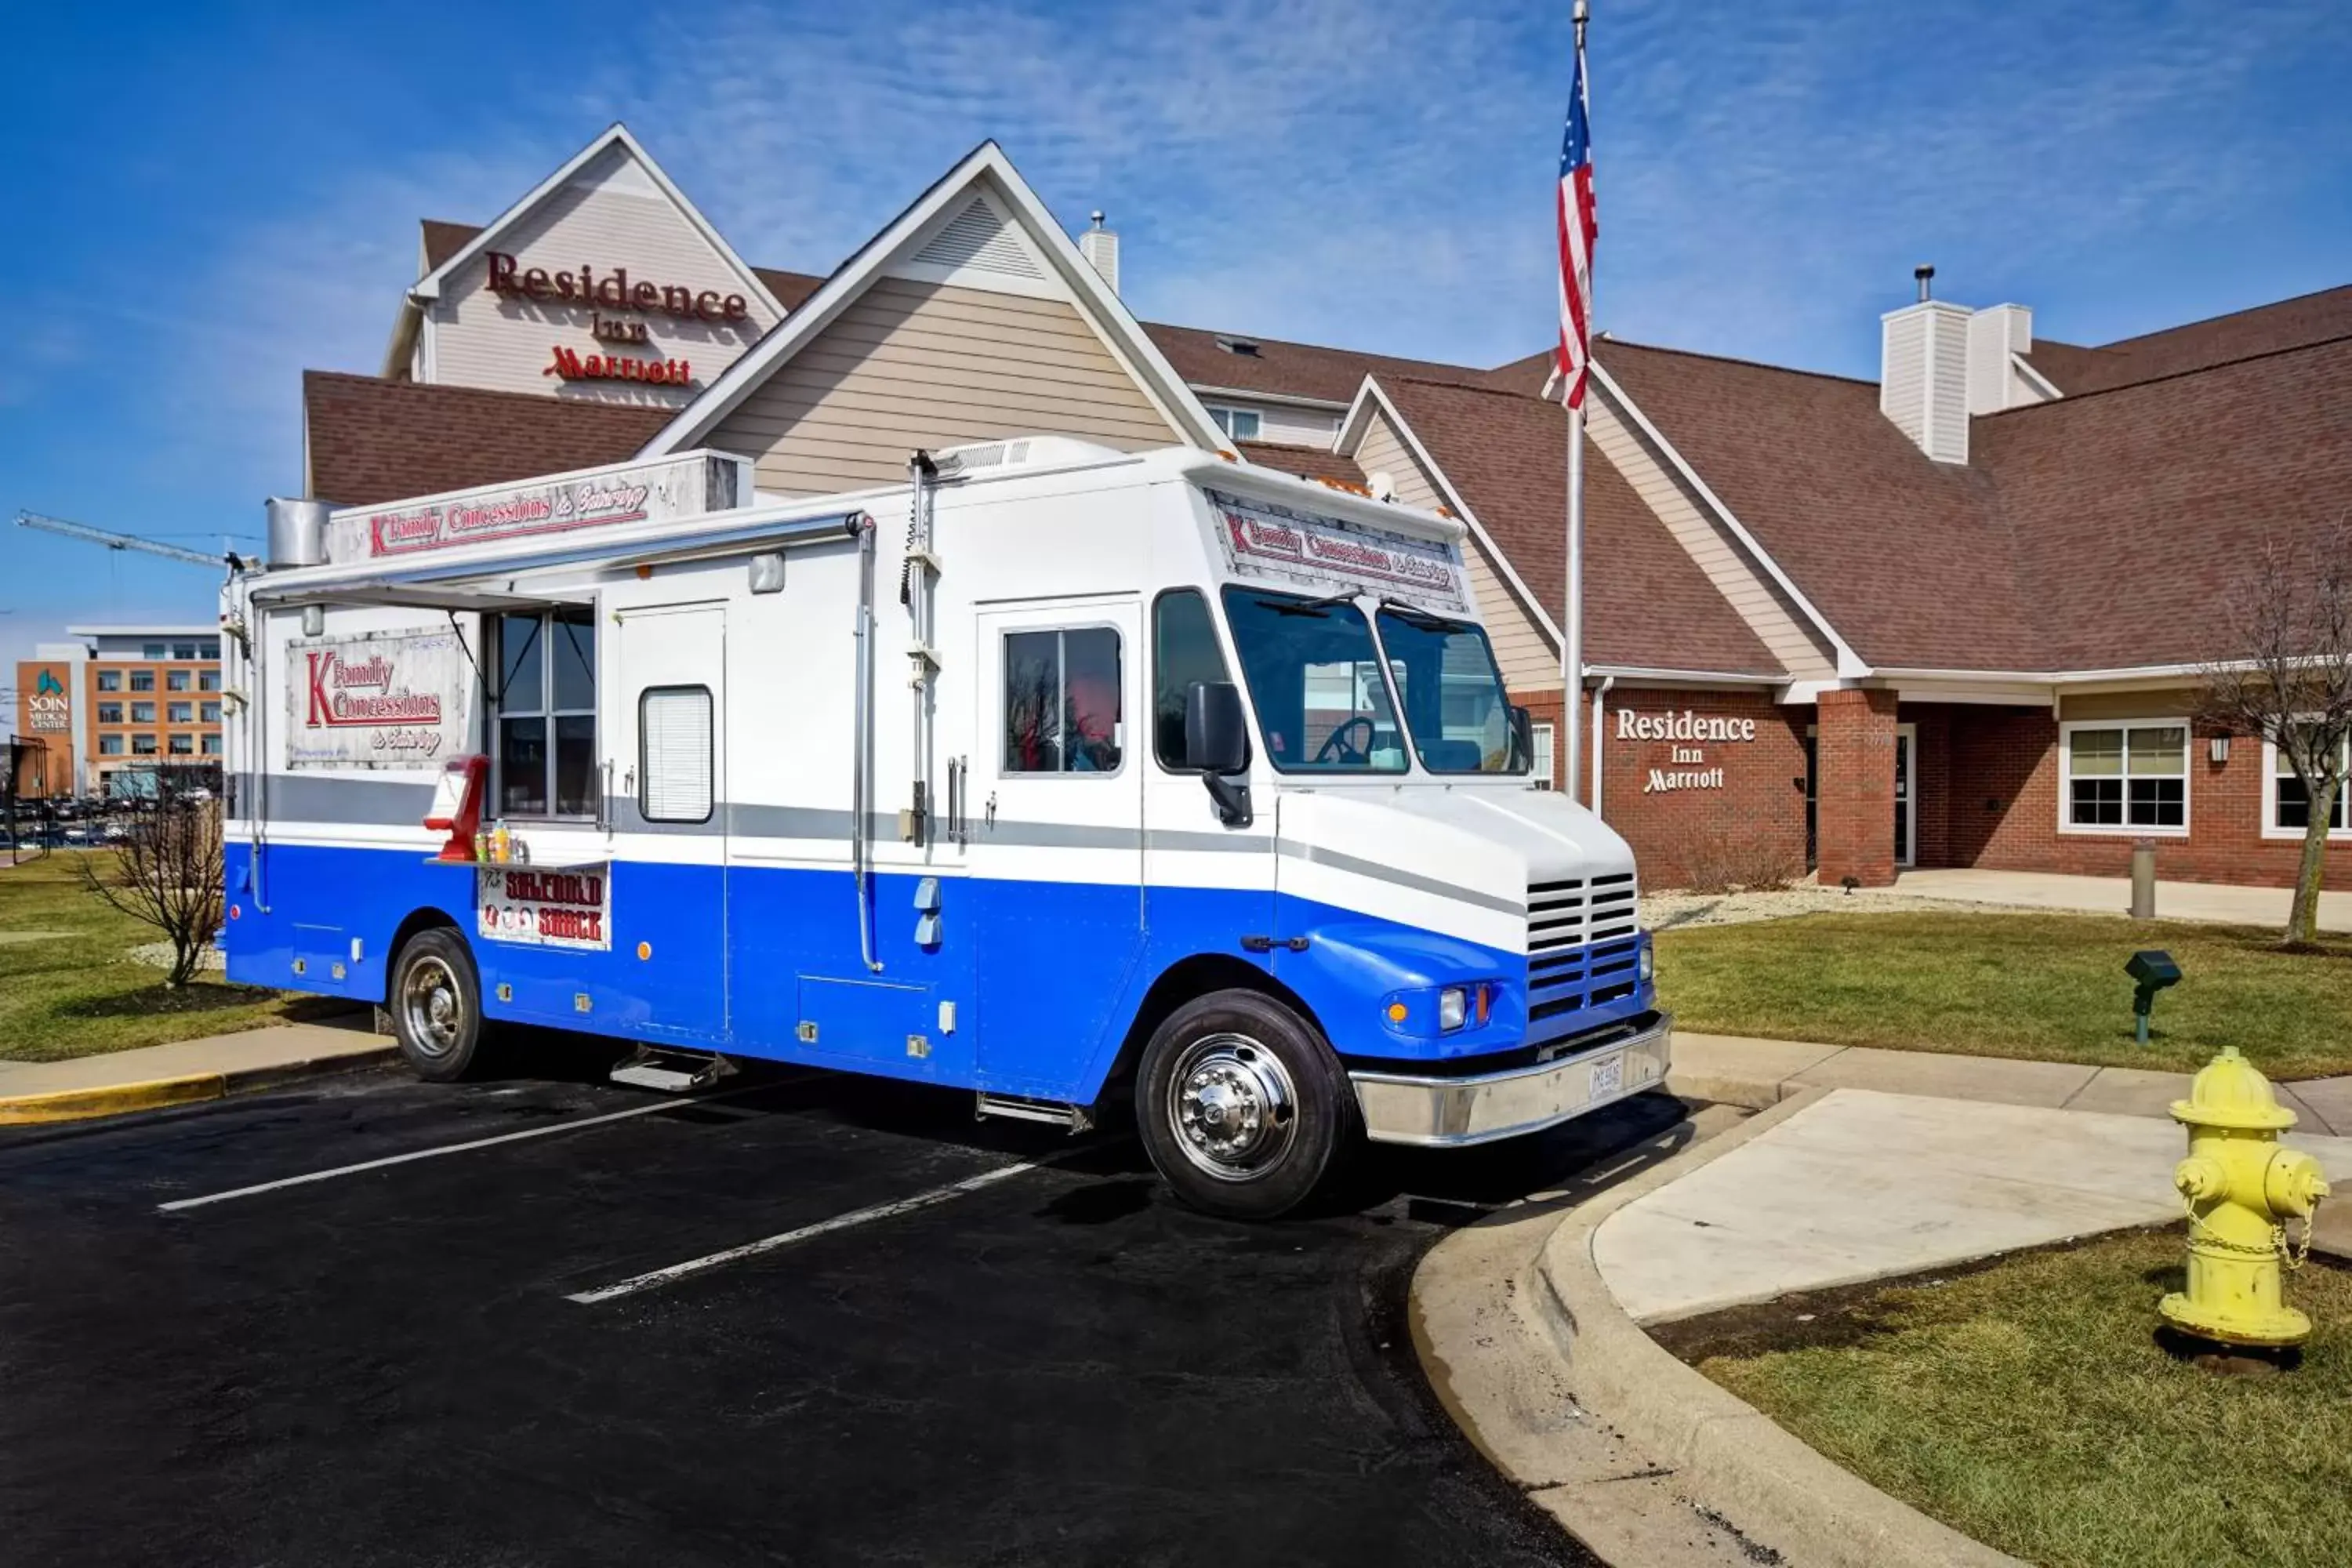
(297, 532)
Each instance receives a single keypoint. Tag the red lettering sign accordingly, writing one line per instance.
(508, 277)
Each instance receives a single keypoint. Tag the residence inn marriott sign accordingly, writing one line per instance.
(1856, 625)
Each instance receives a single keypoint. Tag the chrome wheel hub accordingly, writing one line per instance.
(1233, 1108)
(431, 1007)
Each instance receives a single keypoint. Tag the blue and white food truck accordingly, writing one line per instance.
(1067, 777)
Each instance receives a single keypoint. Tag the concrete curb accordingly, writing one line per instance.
(155, 1094)
(1781, 1491)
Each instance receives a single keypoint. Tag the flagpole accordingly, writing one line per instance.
(1572, 642)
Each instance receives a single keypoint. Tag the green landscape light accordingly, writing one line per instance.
(2151, 972)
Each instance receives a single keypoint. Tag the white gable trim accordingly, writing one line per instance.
(1850, 664)
(985, 168)
(429, 286)
(1369, 397)
(2035, 379)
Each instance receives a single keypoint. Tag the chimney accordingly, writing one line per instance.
(1099, 246)
(1996, 333)
(1923, 373)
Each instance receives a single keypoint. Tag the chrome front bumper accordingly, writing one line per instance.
(1453, 1112)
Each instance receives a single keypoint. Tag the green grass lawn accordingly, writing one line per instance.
(2047, 986)
(2029, 1406)
(78, 993)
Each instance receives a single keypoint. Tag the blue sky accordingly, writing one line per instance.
(204, 199)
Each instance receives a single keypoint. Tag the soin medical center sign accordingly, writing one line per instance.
(1690, 732)
(385, 699)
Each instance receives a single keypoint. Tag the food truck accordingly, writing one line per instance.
(1076, 780)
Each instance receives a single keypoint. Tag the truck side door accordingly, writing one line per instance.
(1056, 824)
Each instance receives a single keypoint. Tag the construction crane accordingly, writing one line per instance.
(113, 540)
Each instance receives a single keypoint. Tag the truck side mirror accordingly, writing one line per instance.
(1523, 739)
(1216, 740)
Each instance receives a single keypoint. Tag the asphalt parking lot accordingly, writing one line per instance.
(814, 1320)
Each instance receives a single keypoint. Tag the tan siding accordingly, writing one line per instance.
(613, 217)
(912, 364)
(1778, 624)
(1530, 659)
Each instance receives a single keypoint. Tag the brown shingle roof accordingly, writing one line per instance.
(1296, 370)
(1905, 556)
(1647, 603)
(2199, 345)
(1306, 462)
(375, 440)
(2132, 510)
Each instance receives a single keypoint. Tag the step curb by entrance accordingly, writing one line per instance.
(156, 1094)
(1781, 1491)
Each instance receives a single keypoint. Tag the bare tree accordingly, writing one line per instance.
(168, 871)
(2283, 673)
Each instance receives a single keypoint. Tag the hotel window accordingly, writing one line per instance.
(2290, 808)
(142, 712)
(181, 712)
(142, 680)
(210, 648)
(109, 681)
(1241, 424)
(208, 680)
(152, 650)
(1540, 742)
(184, 745)
(2127, 778)
(110, 745)
(181, 650)
(546, 722)
(109, 712)
(143, 746)
(211, 747)
(210, 713)
(177, 680)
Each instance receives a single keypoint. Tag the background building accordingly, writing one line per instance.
(116, 704)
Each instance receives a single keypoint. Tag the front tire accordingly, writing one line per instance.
(1243, 1110)
(436, 1007)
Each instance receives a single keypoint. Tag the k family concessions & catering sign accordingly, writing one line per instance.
(385, 699)
(685, 486)
(1325, 554)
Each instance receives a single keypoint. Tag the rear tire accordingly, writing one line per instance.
(436, 1002)
(1243, 1108)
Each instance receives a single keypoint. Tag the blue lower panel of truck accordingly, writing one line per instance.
(1042, 978)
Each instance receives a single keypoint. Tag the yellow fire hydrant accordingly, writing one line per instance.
(2240, 1187)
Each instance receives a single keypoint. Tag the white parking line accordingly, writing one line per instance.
(923, 1200)
(433, 1153)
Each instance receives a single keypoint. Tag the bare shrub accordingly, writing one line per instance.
(167, 871)
(1739, 865)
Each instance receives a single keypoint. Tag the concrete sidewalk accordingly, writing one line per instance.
(1730, 1069)
(2111, 896)
(186, 1070)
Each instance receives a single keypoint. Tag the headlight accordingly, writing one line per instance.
(1453, 1008)
(1649, 965)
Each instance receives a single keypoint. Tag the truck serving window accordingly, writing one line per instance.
(1062, 701)
(1185, 652)
(545, 727)
(1454, 698)
(1315, 679)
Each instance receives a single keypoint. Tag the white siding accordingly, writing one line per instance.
(1529, 659)
(912, 364)
(612, 215)
(1923, 383)
(1769, 614)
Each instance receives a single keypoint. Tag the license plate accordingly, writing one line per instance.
(1608, 1076)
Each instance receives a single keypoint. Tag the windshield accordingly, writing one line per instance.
(1453, 693)
(1314, 677)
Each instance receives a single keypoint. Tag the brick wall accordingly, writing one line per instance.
(1749, 826)
(1856, 787)
(2005, 810)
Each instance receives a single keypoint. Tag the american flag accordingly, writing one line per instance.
(1578, 228)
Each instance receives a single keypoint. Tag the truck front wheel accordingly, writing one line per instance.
(1244, 1108)
(437, 1005)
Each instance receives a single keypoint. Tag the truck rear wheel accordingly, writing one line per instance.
(437, 1005)
(1243, 1110)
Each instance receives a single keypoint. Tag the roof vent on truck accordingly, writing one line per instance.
(1023, 452)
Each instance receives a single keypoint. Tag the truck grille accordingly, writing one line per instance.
(1581, 950)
